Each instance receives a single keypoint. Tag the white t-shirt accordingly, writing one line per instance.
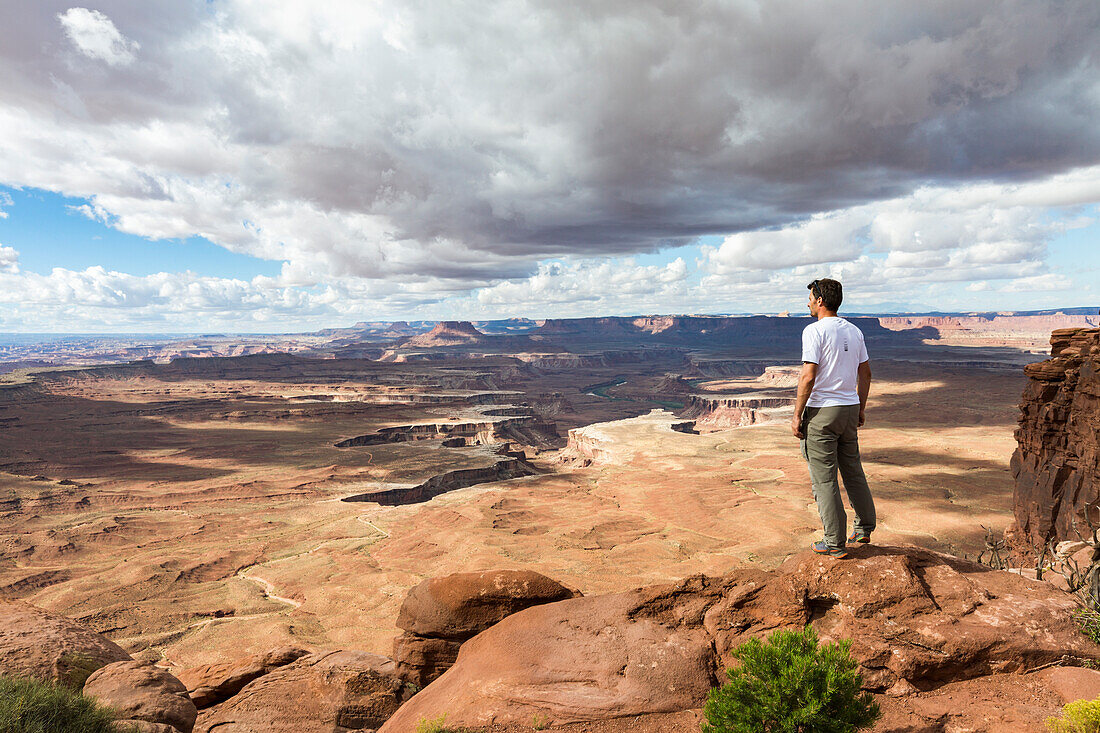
(837, 347)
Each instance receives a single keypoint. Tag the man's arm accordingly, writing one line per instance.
(805, 386)
(863, 375)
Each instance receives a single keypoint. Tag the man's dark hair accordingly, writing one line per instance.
(830, 291)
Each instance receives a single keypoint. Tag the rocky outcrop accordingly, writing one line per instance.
(527, 429)
(461, 478)
(439, 614)
(446, 333)
(917, 619)
(719, 413)
(211, 684)
(36, 643)
(319, 693)
(140, 691)
(1057, 464)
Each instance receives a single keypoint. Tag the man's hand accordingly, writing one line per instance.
(861, 417)
(796, 426)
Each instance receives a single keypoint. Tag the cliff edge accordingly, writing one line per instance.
(1057, 464)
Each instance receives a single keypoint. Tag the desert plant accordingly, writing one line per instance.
(1088, 621)
(33, 706)
(791, 684)
(1079, 716)
(540, 722)
(437, 725)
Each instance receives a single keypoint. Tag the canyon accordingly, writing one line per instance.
(202, 510)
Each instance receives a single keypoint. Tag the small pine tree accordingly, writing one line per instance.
(790, 684)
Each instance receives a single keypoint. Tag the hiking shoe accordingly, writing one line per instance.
(858, 537)
(823, 549)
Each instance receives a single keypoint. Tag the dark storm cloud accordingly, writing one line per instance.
(457, 140)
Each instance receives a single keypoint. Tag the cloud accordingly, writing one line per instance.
(9, 260)
(438, 155)
(96, 36)
(387, 140)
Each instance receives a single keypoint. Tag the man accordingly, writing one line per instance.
(829, 409)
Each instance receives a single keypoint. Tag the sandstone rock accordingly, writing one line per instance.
(1004, 703)
(441, 613)
(917, 619)
(580, 659)
(211, 684)
(464, 604)
(1073, 683)
(140, 691)
(39, 644)
(319, 693)
(144, 726)
(421, 659)
(1057, 464)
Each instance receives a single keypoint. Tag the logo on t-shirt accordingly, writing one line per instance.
(845, 344)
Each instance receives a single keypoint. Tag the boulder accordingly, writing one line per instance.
(1073, 683)
(464, 604)
(318, 693)
(439, 614)
(917, 620)
(140, 691)
(211, 684)
(36, 643)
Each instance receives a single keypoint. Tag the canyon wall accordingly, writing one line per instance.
(1057, 464)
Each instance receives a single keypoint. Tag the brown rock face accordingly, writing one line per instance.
(140, 691)
(917, 619)
(211, 684)
(333, 692)
(1057, 463)
(441, 613)
(36, 643)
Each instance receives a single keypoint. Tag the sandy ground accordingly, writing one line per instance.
(203, 536)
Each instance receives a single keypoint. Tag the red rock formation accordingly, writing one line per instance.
(718, 413)
(36, 643)
(211, 684)
(140, 691)
(441, 613)
(1057, 464)
(918, 620)
(446, 333)
(319, 693)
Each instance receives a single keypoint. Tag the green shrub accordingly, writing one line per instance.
(31, 706)
(437, 725)
(1088, 621)
(790, 684)
(1079, 716)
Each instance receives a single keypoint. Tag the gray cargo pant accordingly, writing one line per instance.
(832, 443)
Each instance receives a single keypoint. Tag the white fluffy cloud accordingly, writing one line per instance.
(9, 260)
(96, 36)
(436, 153)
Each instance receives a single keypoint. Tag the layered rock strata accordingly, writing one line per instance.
(440, 614)
(1057, 464)
(461, 478)
(718, 413)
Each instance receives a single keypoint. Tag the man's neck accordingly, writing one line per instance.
(823, 314)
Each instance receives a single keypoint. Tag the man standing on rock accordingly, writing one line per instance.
(832, 396)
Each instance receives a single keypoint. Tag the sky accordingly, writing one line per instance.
(247, 166)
